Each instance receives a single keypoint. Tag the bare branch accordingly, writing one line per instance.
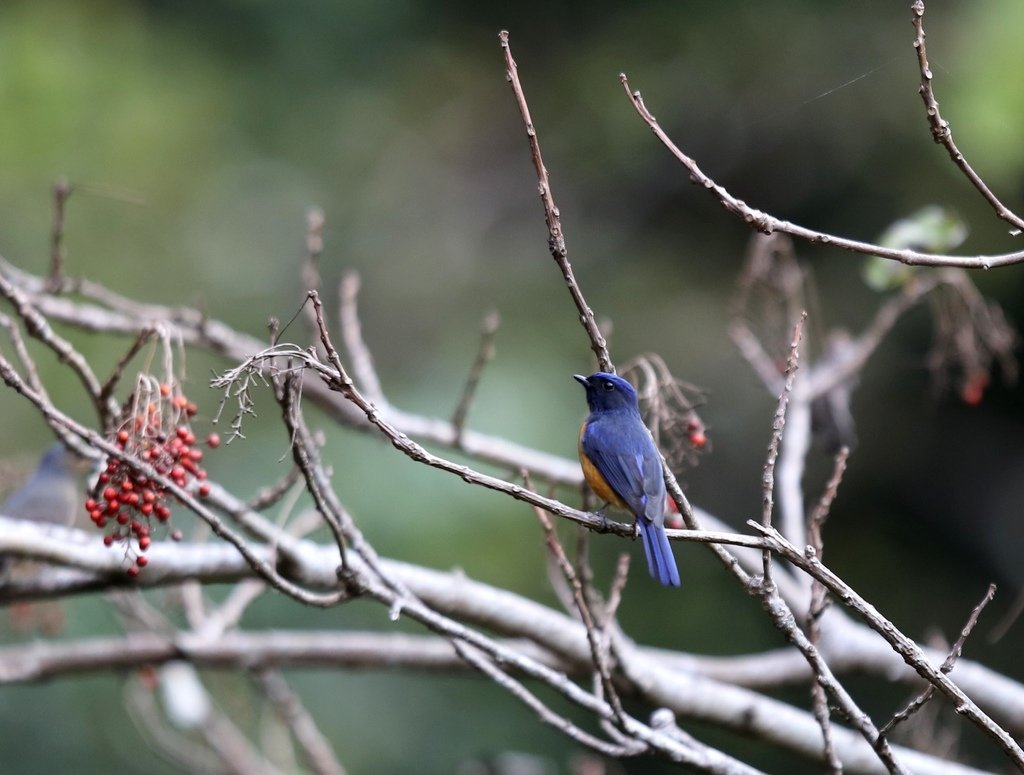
(904, 646)
(39, 328)
(947, 665)
(61, 192)
(684, 691)
(352, 335)
(483, 356)
(316, 749)
(941, 133)
(598, 654)
(817, 607)
(768, 224)
(556, 239)
(778, 426)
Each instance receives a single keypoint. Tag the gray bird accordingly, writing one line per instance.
(52, 494)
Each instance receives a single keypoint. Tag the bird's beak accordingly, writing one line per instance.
(581, 379)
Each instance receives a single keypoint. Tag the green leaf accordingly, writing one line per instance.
(932, 229)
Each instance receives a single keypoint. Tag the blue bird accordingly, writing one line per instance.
(623, 467)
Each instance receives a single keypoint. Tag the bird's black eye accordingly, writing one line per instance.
(609, 386)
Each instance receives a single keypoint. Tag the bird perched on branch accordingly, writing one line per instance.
(623, 467)
(52, 494)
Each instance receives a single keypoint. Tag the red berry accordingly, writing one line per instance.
(144, 542)
(108, 540)
(142, 561)
(165, 390)
(213, 440)
(204, 489)
(110, 494)
(974, 389)
(133, 571)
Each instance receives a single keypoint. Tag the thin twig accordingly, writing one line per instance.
(39, 327)
(61, 192)
(583, 607)
(484, 354)
(827, 375)
(181, 751)
(556, 239)
(315, 747)
(311, 266)
(355, 345)
(268, 496)
(307, 459)
(941, 132)
(544, 713)
(947, 665)
(117, 373)
(778, 426)
(24, 357)
(817, 607)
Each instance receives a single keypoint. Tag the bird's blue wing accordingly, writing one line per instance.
(620, 448)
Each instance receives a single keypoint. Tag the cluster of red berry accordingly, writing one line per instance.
(127, 501)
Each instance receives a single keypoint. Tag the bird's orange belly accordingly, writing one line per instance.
(597, 482)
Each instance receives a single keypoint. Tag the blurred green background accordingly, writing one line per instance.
(207, 129)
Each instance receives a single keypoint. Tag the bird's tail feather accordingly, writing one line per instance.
(660, 561)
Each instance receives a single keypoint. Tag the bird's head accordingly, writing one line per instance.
(59, 461)
(606, 392)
